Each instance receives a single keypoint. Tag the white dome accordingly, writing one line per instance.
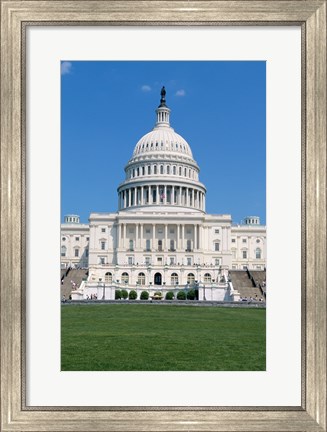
(162, 139)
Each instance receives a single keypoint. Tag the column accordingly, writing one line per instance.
(183, 232)
(150, 195)
(117, 235)
(165, 238)
(195, 228)
(124, 192)
(172, 196)
(142, 195)
(165, 195)
(136, 236)
(193, 198)
(157, 195)
(179, 195)
(124, 236)
(204, 202)
(200, 236)
(141, 237)
(177, 239)
(153, 237)
(135, 196)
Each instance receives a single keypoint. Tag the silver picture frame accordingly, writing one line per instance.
(16, 17)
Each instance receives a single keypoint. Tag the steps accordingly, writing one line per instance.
(244, 285)
(75, 275)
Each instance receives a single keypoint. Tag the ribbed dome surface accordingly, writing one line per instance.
(162, 139)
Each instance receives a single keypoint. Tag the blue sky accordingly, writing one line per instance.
(218, 107)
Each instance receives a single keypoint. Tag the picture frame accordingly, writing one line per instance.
(16, 16)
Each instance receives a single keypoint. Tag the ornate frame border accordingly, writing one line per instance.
(311, 16)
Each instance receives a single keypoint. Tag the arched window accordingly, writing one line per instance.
(149, 169)
(161, 169)
(180, 171)
(125, 278)
(63, 251)
(174, 170)
(168, 169)
(190, 278)
(155, 169)
(174, 279)
(138, 171)
(207, 278)
(258, 253)
(141, 279)
(185, 172)
(108, 277)
(143, 170)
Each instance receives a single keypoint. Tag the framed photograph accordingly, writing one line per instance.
(44, 45)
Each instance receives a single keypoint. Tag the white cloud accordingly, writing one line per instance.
(66, 68)
(145, 88)
(180, 92)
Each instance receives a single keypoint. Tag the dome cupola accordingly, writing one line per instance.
(162, 171)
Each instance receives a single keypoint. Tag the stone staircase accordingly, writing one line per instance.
(75, 275)
(244, 285)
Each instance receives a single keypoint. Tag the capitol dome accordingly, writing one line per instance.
(162, 170)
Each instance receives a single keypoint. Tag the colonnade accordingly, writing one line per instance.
(161, 195)
(162, 237)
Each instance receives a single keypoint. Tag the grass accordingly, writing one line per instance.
(109, 337)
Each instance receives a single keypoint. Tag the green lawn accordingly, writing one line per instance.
(112, 337)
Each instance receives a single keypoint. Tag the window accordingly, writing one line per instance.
(155, 169)
(207, 278)
(63, 251)
(147, 230)
(244, 254)
(258, 253)
(103, 230)
(131, 245)
(189, 261)
(161, 169)
(149, 169)
(64, 239)
(188, 245)
(188, 231)
(216, 231)
(141, 279)
(131, 230)
(76, 252)
(180, 171)
(87, 238)
(77, 238)
(103, 245)
(147, 245)
(160, 245)
(174, 279)
(147, 260)
(258, 240)
(168, 169)
(233, 240)
(143, 170)
(234, 253)
(125, 278)
(159, 260)
(130, 260)
(172, 245)
(243, 240)
(172, 231)
(190, 278)
(102, 260)
(217, 261)
(172, 260)
(216, 246)
(174, 170)
(108, 277)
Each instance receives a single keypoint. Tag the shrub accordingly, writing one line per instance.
(124, 294)
(181, 295)
(144, 295)
(191, 294)
(196, 292)
(132, 295)
(169, 295)
(117, 295)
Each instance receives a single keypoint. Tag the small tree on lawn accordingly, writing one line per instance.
(124, 294)
(132, 295)
(181, 295)
(117, 295)
(144, 295)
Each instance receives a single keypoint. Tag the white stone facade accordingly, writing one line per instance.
(161, 237)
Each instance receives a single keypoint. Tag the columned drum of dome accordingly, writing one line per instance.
(162, 170)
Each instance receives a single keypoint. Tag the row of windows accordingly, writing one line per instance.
(172, 245)
(160, 146)
(63, 252)
(244, 240)
(174, 279)
(258, 254)
(162, 169)
(76, 238)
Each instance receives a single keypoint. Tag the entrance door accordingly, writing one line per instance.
(157, 279)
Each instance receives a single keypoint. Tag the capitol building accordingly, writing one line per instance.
(161, 238)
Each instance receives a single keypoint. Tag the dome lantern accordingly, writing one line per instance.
(163, 111)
